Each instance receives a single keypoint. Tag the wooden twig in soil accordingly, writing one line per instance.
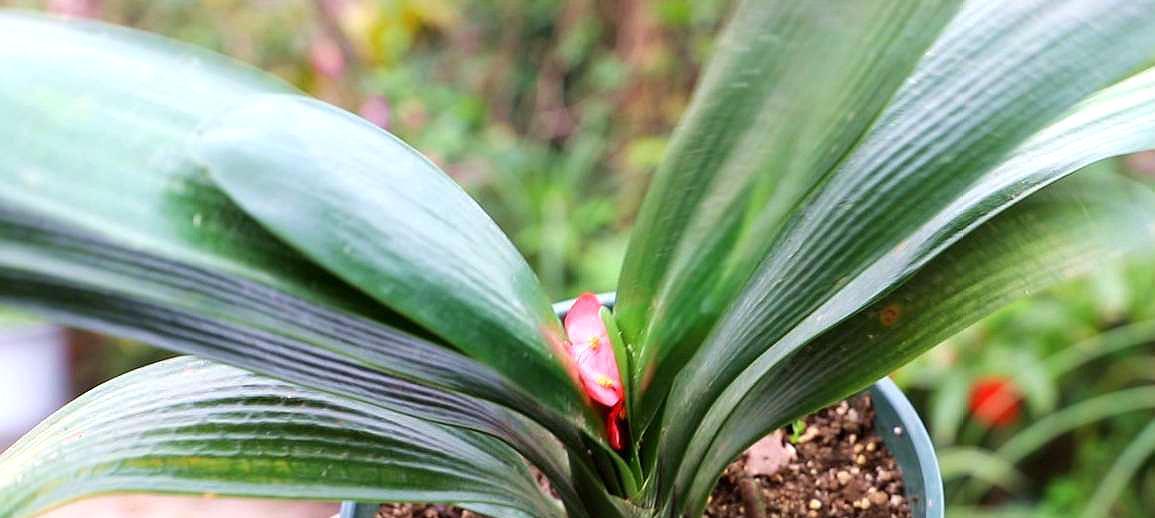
(752, 501)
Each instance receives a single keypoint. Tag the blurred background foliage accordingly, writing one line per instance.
(554, 113)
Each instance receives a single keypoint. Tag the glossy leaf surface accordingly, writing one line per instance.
(998, 75)
(145, 220)
(383, 218)
(155, 314)
(1117, 120)
(790, 89)
(103, 208)
(1061, 232)
(190, 426)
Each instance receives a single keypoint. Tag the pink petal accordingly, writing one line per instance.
(584, 321)
(593, 352)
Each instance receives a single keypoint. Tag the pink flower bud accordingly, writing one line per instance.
(592, 351)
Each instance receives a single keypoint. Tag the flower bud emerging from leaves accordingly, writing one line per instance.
(593, 353)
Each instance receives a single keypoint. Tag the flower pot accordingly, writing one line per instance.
(899, 426)
(895, 422)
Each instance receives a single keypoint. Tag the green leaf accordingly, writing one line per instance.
(1118, 120)
(1091, 410)
(1112, 341)
(190, 426)
(1040, 391)
(92, 284)
(789, 91)
(104, 195)
(1125, 468)
(936, 165)
(70, 302)
(948, 407)
(113, 107)
(621, 353)
(106, 222)
(1060, 232)
(383, 218)
(967, 461)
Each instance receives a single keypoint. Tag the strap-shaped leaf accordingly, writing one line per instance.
(1104, 406)
(93, 284)
(1000, 73)
(957, 462)
(294, 330)
(1052, 426)
(1126, 468)
(1118, 120)
(1060, 232)
(94, 125)
(790, 89)
(101, 201)
(99, 155)
(382, 217)
(190, 426)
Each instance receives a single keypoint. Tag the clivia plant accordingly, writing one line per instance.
(853, 182)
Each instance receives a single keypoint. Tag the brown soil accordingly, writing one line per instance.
(424, 511)
(837, 468)
(841, 469)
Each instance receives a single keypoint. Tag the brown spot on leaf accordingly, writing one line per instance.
(890, 314)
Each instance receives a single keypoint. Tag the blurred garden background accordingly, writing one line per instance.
(554, 113)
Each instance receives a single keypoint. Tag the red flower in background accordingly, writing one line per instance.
(593, 353)
(995, 401)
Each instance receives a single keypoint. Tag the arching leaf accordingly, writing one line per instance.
(1066, 230)
(383, 218)
(103, 207)
(190, 426)
(790, 89)
(1000, 74)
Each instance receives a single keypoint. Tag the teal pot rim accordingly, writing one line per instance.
(905, 435)
(895, 421)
